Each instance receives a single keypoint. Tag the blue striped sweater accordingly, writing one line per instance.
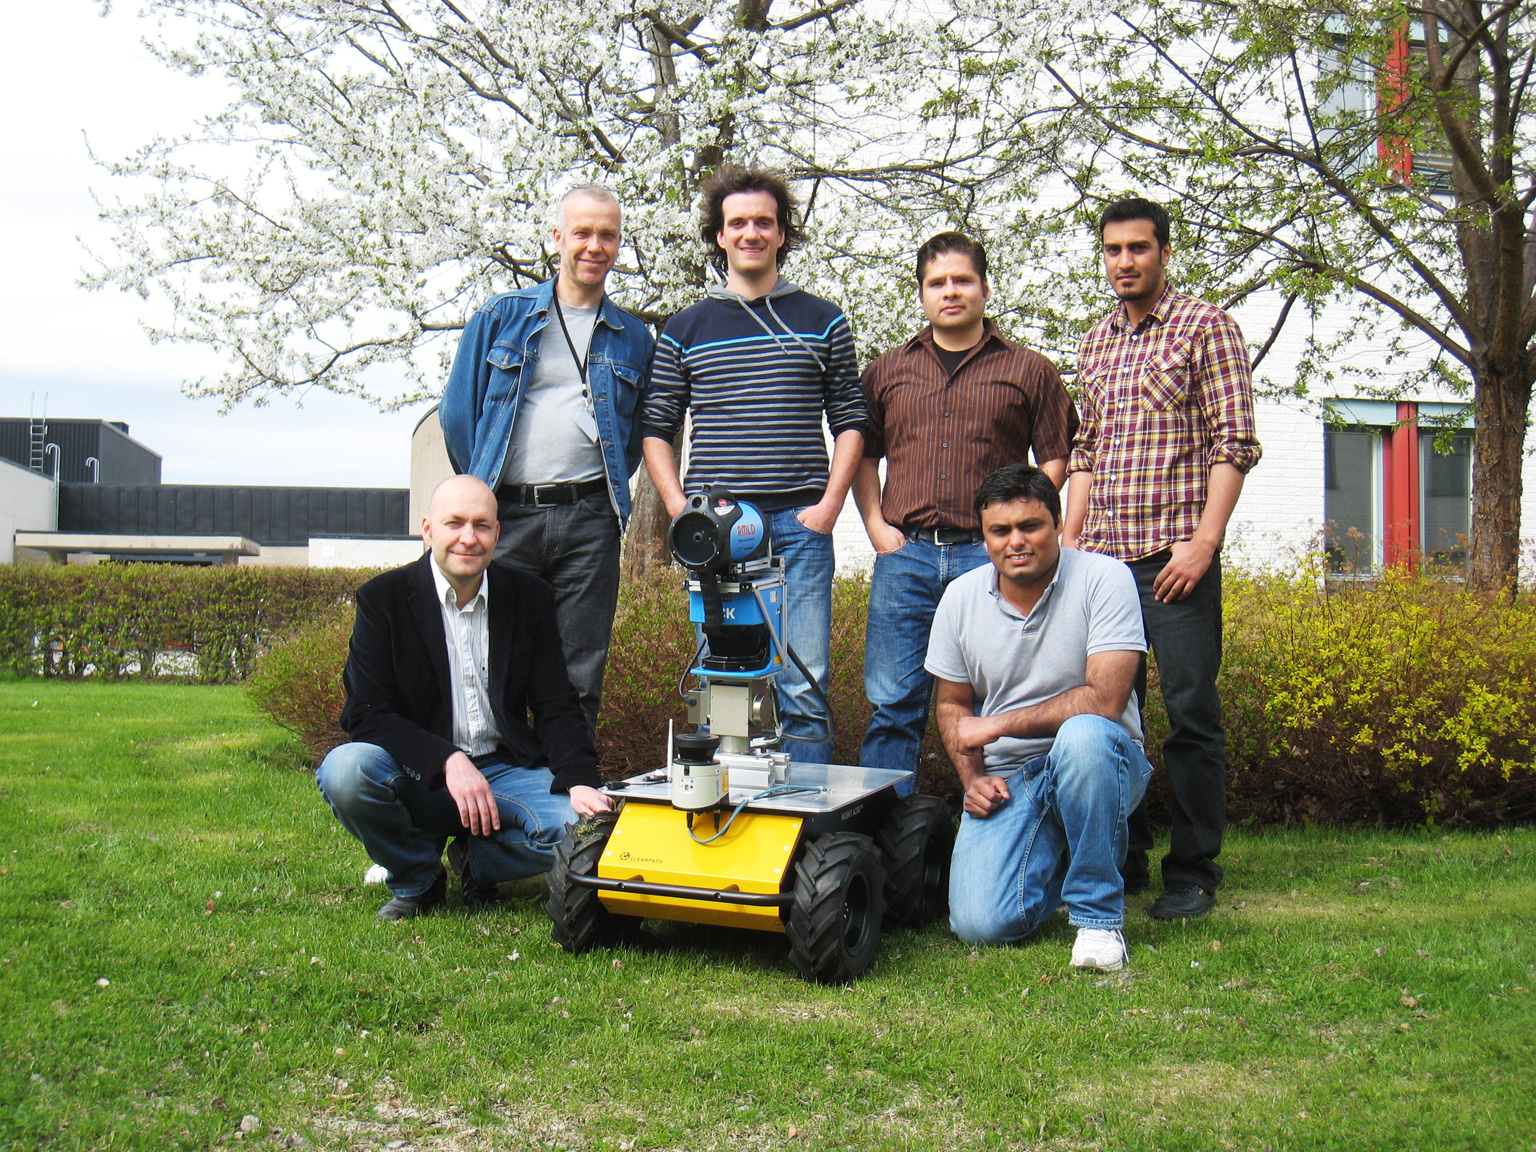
(757, 376)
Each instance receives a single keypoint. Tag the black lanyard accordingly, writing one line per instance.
(581, 361)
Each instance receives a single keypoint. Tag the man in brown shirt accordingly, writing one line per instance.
(946, 410)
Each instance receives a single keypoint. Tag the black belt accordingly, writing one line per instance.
(538, 495)
(943, 535)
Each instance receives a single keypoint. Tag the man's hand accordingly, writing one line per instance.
(886, 538)
(973, 733)
(1191, 558)
(1188, 563)
(985, 796)
(818, 517)
(589, 801)
(472, 793)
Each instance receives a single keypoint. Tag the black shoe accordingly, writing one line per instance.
(476, 895)
(404, 907)
(1182, 902)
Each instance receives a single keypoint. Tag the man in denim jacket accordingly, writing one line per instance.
(541, 405)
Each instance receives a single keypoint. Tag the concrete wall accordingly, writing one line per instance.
(429, 465)
(27, 503)
(278, 556)
(363, 553)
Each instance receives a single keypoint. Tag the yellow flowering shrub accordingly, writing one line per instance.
(1403, 699)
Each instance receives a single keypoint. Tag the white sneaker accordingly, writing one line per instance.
(1099, 950)
(376, 874)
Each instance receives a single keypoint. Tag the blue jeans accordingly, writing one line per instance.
(808, 630)
(1185, 637)
(903, 594)
(404, 825)
(1060, 838)
(574, 548)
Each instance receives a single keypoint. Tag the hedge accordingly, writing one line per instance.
(1407, 700)
(1404, 700)
(119, 620)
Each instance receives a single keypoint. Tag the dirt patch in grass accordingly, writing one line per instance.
(1156, 1092)
(396, 1122)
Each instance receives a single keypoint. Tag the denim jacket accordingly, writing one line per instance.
(489, 380)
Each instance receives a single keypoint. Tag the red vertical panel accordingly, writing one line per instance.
(1392, 91)
(1400, 487)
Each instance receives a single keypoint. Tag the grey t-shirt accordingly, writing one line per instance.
(554, 438)
(1012, 661)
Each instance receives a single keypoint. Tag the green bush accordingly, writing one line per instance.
(652, 646)
(1408, 699)
(297, 680)
(116, 620)
(1403, 701)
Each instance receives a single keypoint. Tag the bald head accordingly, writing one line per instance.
(461, 529)
(461, 489)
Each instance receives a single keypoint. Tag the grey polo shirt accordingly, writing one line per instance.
(1013, 661)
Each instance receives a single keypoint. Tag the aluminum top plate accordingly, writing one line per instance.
(837, 785)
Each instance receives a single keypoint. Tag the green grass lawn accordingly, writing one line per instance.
(185, 942)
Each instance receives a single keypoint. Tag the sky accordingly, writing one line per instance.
(84, 351)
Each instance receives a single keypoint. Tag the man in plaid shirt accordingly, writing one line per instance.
(1165, 396)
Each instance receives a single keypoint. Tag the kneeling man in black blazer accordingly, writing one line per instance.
(464, 723)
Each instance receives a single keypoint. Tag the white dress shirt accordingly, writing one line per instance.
(467, 631)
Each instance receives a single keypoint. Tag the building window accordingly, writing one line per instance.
(1395, 491)
(1445, 485)
(1424, 160)
(1378, 111)
(1352, 499)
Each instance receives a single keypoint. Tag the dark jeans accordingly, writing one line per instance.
(1185, 637)
(575, 549)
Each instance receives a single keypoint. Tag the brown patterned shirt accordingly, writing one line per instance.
(943, 434)
(1161, 403)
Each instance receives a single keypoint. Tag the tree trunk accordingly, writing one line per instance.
(1501, 407)
(646, 546)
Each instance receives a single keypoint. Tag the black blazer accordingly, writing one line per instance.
(397, 678)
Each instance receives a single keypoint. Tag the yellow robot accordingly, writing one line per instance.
(732, 832)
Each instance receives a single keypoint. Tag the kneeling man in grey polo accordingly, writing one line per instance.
(1035, 656)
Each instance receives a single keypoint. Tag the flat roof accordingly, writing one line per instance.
(148, 545)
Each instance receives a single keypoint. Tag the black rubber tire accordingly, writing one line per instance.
(578, 921)
(834, 923)
(915, 845)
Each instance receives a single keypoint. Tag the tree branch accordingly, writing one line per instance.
(1274, 332)
(826, 11)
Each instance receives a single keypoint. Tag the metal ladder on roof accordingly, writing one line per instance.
(38, 437)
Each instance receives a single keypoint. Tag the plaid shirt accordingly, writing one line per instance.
(1160, 405)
